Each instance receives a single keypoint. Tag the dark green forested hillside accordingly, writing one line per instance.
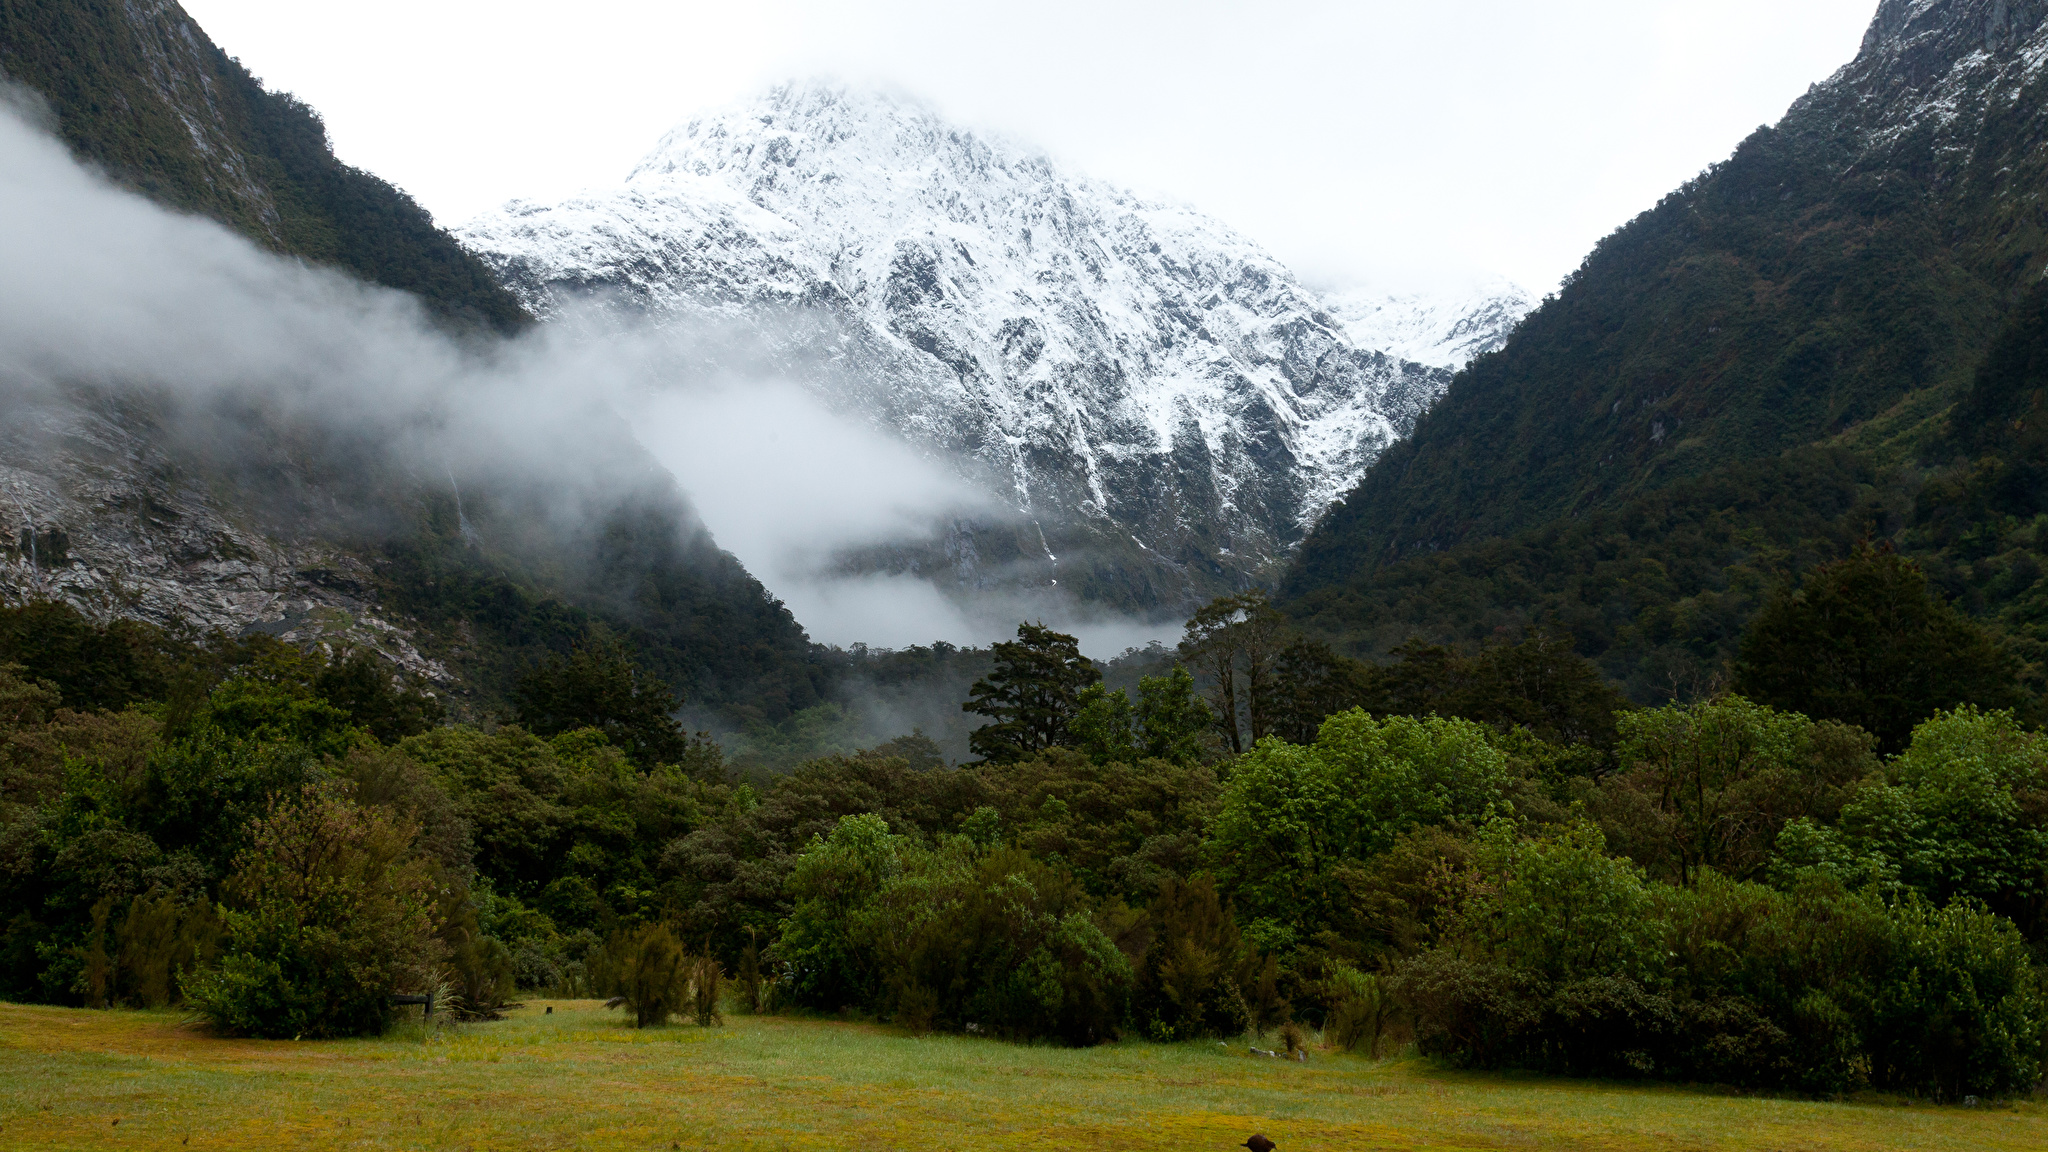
(1743, 380)
(140, 91)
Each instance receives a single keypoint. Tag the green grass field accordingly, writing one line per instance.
(72, 1078)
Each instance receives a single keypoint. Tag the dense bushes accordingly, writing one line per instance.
(949, 935)
(1723, 891)
(329, 911)
(1576, 964)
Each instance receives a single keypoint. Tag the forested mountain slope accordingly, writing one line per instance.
(1738, 382)
(1858, 254)
(138, 90)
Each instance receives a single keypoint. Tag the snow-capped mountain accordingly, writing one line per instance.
(1444, 329)
(1134, 377)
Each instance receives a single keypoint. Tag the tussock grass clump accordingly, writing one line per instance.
(653, 973)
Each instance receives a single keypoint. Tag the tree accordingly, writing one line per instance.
(1292, 814)
(1540, 684)
(363, 685)
(831, 965)
(1865, 641)
(1311, 682)
(1102, 729)
(329, 911)
(1033, 695)
(1171, 718)
(1963, 814)
(599, 686)
(1711, 785)
(1168, 722)
(93, 665)
(1233, 641)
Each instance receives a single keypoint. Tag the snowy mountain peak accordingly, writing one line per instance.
(1146, 384)
(1444, 328)
(801, 130)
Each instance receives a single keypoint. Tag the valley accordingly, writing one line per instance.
(861, 631)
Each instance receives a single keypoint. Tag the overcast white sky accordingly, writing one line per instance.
(1375, 141)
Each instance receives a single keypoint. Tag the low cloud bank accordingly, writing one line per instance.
(102, 288)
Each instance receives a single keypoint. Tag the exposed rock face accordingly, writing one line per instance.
(107, 521)
(1129, 374)
(1958, 71)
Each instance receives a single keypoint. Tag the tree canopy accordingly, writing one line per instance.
(1865, 641)
(1032, 695)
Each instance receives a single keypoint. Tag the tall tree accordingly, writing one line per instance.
(1311, 681)
(1172, 720)
(1865, 641)
(1033, 694)
(1233, 642)
(599, 686)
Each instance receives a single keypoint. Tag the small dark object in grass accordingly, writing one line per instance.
(550, 1011)
(1291, 1037)
(615, 1001)
(1258, 1143)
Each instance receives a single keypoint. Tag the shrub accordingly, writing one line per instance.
(483, 974)
(163, 936)
(1187, 979)
(650, 969)
(1292, 1037)
(1361, 1012)
(1473, 1013)
(1961, 1010)
(329, 912)
(706, 979)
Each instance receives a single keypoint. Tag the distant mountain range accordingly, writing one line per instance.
(1160, 398)
(1835, 335)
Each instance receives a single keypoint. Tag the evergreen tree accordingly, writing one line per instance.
(1865, 641)
(599, 686)
(1311, 682)
(1102, 729)
(1171, 718)
(1033, 694)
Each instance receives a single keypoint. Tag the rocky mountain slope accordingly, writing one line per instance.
(1739, 382)
(1153, 392)
(160, 456)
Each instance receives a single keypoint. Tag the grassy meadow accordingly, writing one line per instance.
(580, 1078)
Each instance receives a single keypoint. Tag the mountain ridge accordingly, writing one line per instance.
(1738, 384)
(1122, 370)
(1858, 253)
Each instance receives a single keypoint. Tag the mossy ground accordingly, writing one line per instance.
(581, 1079)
